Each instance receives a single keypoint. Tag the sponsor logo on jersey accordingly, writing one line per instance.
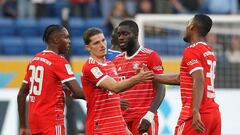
(96, 72)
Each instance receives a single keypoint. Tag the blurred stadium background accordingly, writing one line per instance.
(162, 26)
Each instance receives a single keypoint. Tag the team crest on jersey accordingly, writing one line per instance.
(96, 72)
(136, 65)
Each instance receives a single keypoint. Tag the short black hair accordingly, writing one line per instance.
(132, 25)
(89, 33)
(49, 30)
(114, 33)
(203, 23)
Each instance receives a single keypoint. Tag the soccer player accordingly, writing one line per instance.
(200, 113)
(144, 98)
(99, 79)
(115, 49)
(45, 74)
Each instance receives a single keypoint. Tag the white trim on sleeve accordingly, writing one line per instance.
(68, 79)
(195, 69)
(24, 81)
(97, 84)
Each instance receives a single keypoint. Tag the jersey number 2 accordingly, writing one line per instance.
(36, 79)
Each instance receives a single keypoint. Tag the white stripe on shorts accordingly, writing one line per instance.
(58, 129)
(180, 128)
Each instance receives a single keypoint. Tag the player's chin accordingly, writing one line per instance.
(66, 51)
(123, 48)
(186, 39)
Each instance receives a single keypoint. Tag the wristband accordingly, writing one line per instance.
(148, 116)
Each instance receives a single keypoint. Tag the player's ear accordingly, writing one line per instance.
(87, 47)
(56, 40)
(191, 27)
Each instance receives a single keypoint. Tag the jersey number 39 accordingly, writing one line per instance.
(36, 79)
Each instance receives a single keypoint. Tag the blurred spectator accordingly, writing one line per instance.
(212, 42)
(186, 6)
(145, 6)
(81, 8)
(131, 6)
(220, 6)
(233, 52)
(162, 6)
(25, 8)
(9, 8)
(1, 5)
(106, 7)
(44, 8)
(117, 14)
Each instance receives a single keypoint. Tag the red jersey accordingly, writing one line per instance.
(139, 97)
(103, 107)
(197, 56)
(45, 74)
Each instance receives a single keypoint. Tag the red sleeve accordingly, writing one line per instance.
(63, 70)
(192, 59)
(155, 63)
(94, 73)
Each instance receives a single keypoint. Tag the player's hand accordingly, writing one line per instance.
(197, 122)
(145, 74)
(24, 131)
(128, 132)
(124, 104)
(67, 91)
(144, 126)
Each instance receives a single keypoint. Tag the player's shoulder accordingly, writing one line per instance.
(149, 53)
(146, 50)
(89, 63)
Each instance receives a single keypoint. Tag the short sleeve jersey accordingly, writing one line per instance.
(103, 107)
(140, 96)
(197, 56)
(45, 74)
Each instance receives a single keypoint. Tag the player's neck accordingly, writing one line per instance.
(133, 50)
(197, 39)
(52, 49)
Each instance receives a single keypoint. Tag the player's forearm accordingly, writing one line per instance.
(170, 79)
(22, 110)
(21, 99)
(160, 94)
(198, 88)
(126, 84)
(75, 89)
